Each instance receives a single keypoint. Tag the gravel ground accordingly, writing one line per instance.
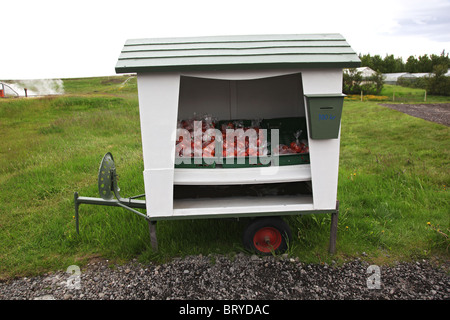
(242, 277)
(435, 112)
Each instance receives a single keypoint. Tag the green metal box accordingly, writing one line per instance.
(324, 115)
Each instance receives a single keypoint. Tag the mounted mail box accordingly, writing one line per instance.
(324, 115)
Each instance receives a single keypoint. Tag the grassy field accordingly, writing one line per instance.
(393, 186)
(393, 93)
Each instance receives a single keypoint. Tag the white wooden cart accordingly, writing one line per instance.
(236, 77)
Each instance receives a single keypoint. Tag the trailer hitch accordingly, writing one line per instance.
(110, 196)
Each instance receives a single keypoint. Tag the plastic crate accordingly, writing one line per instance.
(191, 164)
(247, 163)
(286, 126)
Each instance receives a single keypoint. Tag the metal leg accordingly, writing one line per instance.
(333, 231)
(75, 196)
(153, 239)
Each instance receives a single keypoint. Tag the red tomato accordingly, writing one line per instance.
(240, 153)
(252, 152)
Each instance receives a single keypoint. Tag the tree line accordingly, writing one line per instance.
(354, 83)
(436, 65)
(390, 64)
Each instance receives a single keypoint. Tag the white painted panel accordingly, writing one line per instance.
(242, 205)
(159, 192)
(268, 97)
(231, 176)
(321, 81)
(324, 158)
(158, 108)
(273, 97)
(200, 96)
(241, 74)
(324, 154)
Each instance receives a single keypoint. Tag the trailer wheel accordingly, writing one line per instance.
(267, 235)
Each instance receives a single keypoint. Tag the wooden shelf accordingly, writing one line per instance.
(230, 176)
(241, 205)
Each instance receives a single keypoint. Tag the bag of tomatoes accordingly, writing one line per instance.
(298, 146)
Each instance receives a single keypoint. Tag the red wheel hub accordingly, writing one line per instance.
(267, 239)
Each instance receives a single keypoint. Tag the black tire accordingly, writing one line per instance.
(267, 235)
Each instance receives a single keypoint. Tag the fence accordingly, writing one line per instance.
(409, 96)
(395, 97)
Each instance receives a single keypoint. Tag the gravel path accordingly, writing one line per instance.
(435, 112)
(242, 277)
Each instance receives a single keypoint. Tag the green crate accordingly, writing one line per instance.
(246, 163)
(192, 164)
(292, 159)
(287, 127)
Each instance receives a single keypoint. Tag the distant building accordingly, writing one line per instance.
(392, 78)
(421, 75)
(366, 72)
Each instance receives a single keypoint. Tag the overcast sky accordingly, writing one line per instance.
(48, 39)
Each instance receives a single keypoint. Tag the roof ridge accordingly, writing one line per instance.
(213, 52)
(239, 38)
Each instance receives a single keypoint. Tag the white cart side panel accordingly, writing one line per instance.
(322, 81)
(324, 158)
(158, 107)
(159, 192)
(324, 154)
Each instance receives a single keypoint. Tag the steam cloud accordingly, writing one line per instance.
(40, 87)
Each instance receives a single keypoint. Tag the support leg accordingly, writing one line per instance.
(333, 231)
(75, 196)
(153, 239)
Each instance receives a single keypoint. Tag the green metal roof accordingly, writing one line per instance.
(236, 52)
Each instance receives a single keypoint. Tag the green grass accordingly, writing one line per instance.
(408, 95)
(393, 180)
(125, 84)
